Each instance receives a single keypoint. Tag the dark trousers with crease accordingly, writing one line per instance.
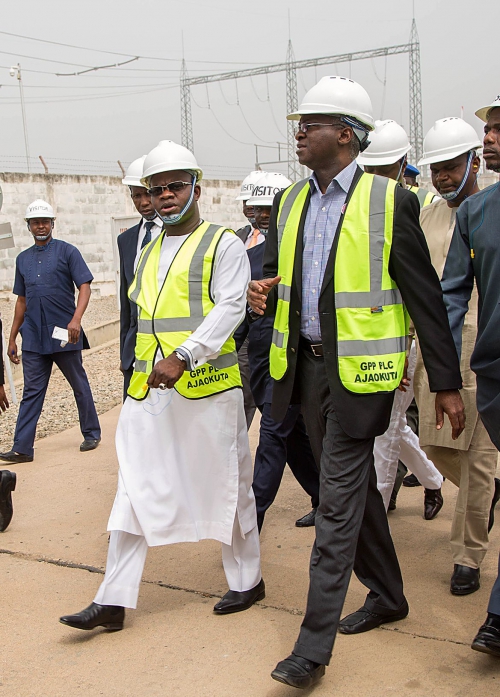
(352, 532)
(279, 443)
(37, 368)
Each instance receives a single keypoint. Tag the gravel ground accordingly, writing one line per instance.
(59, 412)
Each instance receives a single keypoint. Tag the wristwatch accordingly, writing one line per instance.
(180, 356)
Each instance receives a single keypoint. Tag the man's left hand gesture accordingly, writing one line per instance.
(450, 402)
(167, 372)
(74, 329)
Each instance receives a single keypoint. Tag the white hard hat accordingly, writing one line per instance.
(267, 187)
(248, 183)
(388, 144)
(448, 138)
(134, 172)
(39, 209)
(337, 95)
(484, 113)
(168, 157)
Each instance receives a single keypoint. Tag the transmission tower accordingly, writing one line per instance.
(292, 104)
(291, 66)
(186, 119)
(416, 128)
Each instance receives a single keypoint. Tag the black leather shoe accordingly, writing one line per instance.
(411, 480)
(236, 601)
(7, 486)
(363, 620)
(307, 521)
(12, 456)
(494, 501)
(298, 672)
(488, 639)
(433, 503)
(108, 616)
(464, 580)
(90, 444)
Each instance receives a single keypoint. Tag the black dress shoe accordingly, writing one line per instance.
(236, 601)
(363, 620)
(7, 486)
(90, 444)
(433, 503)
(488, 638)
(494, 501)
(464, 580)
(12, 456)
(307, 521)
(411, 480)
(298, 672)
(109, 616)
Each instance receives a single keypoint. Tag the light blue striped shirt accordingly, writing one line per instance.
(320, 226)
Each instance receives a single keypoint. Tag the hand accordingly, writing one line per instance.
(258, 291)
(167, 372)
(14, 358)
(74, 328)
(4, 402)
(405, 380)
(450, 402)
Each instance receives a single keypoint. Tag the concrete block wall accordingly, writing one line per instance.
(84, 206)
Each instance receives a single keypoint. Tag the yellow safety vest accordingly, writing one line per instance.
(424, 197)
(372, 323)
(167, 316)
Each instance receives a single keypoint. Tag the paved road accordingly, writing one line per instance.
(52, 559)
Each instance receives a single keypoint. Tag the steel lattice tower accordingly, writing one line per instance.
(186, 118)
(292, 104)
(416, 128)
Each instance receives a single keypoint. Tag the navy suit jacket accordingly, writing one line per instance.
(127, 248)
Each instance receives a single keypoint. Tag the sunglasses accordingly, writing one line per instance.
(173, 187)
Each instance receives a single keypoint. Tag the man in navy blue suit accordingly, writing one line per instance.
(130, 244)
(279, 442)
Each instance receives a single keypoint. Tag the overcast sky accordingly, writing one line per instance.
(78, 130)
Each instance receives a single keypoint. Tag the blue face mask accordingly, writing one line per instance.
(177, 217)
(452, 195)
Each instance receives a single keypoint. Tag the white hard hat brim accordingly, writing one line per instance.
(484, 112)
(378, 160)
(260, 201)
(132, 181)
(326, 110)
(243, 197)
(449, 153)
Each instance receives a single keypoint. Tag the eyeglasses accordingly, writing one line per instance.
(173, 187)
(304, 127)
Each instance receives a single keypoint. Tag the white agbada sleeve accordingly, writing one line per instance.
(229, 286)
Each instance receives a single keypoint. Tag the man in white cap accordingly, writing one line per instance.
(345, 257)
(130, 244)
(450, 150)
(286, 441)
(387, 156)
(46, 276)
(182, 443)
(474, 256)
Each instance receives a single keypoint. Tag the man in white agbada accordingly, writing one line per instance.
(185, 465)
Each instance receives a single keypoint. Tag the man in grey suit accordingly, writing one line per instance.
(130, 244)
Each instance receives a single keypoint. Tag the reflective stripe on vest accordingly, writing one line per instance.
(168, 316)
(372, 324)
(424, 197)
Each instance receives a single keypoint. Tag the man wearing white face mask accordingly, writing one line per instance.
(182, 443)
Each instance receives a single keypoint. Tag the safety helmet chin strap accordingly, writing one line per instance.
(176, 218)
(455, 194)
(360, 131)
(401, 168)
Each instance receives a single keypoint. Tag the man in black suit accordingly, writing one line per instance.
(351, 524)
(130, 244)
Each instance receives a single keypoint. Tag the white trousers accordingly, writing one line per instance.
(399, 442)
(127, 556)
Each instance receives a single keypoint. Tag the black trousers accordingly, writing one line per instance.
(351, 523)
(127, 376)
(279, 443)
